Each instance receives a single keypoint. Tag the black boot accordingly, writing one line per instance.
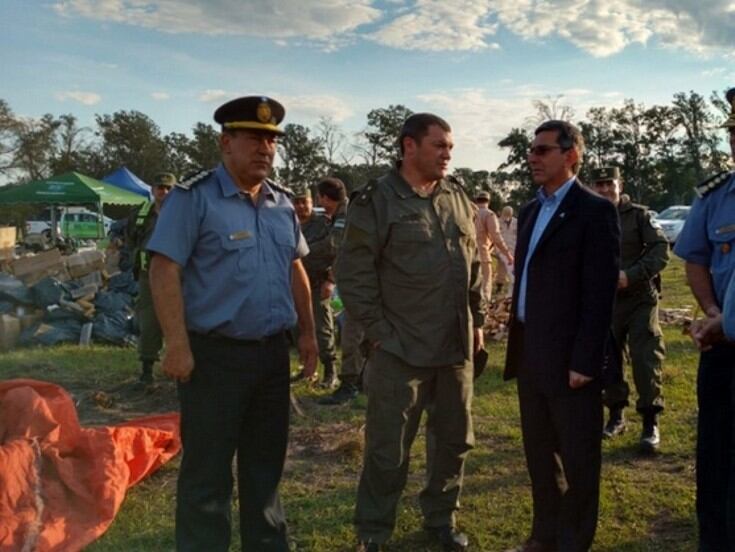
(330, 380)
(146, 374)
(345, 393)
(450, 539)
(615, 424)
(650, 437)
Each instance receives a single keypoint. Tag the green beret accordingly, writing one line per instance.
(251, 112)
(165, 179)
(603, 174)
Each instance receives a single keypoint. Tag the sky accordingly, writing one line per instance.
(477, 63)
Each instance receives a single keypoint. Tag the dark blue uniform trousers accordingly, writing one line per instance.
(236, 401)
(716, 450)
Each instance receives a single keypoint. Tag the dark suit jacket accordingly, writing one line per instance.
(572, 278)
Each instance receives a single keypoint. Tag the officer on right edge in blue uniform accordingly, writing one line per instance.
(707, 244)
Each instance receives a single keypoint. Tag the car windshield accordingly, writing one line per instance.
(674, 213)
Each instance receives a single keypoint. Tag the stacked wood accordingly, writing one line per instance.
(497, 315)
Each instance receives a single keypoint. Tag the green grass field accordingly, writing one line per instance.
(647, 503)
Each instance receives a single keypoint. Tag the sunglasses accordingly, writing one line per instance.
(542, 150)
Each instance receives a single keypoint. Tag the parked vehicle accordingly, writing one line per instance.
(672, 219)
(76, 223)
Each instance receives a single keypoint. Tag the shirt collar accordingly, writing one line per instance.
(404, 189)
(558, 195)
(229, 188)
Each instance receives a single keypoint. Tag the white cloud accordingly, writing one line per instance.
(600, 27)
(160, 96)
(440, 25)
(311, 107)
(314, 19)
(215, 95)
(86, 98)
(605, 27)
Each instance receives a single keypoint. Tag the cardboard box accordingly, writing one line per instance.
(81, 264)
(9, 331)
(8, 236)
(32, 268)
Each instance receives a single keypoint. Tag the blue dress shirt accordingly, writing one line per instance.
(708, 236)
(236, 256)
(549, 205)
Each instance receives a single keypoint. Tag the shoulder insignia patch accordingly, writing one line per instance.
(281, 188)
(712, 183)
(192, 179)
(339, 223)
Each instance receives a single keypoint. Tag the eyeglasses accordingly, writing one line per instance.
(542, 150)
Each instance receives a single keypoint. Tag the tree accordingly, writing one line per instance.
(513, 177)
(332, 139)
(302, 156)
(551, 108)
(71, 146)
(381, 134)
(132, 139)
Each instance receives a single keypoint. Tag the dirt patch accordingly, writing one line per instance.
(340, 441)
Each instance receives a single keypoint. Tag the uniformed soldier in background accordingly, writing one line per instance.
(315, 228)
(707, 244)
(139, 230)
(408, 272)
(332, 196)
(489, 240)
(228, 284)
(508, 225)
(644, 254)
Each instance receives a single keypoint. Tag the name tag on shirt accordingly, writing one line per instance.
(241, 235)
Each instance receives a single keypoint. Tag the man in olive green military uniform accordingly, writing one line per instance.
(332, 196)
(315, 228)
(139, 230)
(644, 254)
(408, 271)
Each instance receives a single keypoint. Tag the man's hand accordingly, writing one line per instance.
(622, 280)
(479, 340)
(577, 380)
(511, 261)
(707, 332)
(326, 290)
(178, 362)
(308, 353)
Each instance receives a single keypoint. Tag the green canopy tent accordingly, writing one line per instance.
(70, 188)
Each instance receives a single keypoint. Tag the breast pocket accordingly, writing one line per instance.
(243, 250)
(410, 247)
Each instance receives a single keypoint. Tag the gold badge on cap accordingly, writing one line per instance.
(725, 248)
(264, 112)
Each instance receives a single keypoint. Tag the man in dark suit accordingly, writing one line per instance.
(566, 262)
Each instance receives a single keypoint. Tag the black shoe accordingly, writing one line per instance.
(450, 539)
(650, 437)
(345, 393)
(146, 373)
(368, 546)
(615, 425)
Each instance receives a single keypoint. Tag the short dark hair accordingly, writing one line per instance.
(417, 126)
(568, 137)
(333, 188)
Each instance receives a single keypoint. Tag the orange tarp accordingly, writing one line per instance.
(61, 484)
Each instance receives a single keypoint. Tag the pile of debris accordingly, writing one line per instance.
(48, 298)
(497, 315)
(677, 317)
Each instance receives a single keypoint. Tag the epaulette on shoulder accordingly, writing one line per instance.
(363, 196)
(712, 183)
(458, 184)
(194, 178)
(281, 188)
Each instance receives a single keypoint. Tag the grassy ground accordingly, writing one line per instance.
(647, 503)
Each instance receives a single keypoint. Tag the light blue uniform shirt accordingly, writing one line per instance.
(236, 256)
(708, 236)
(549, 205)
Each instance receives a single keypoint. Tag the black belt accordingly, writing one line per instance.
(224, 340)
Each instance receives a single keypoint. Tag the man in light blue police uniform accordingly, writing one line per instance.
(228, 282)
(706, 243)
